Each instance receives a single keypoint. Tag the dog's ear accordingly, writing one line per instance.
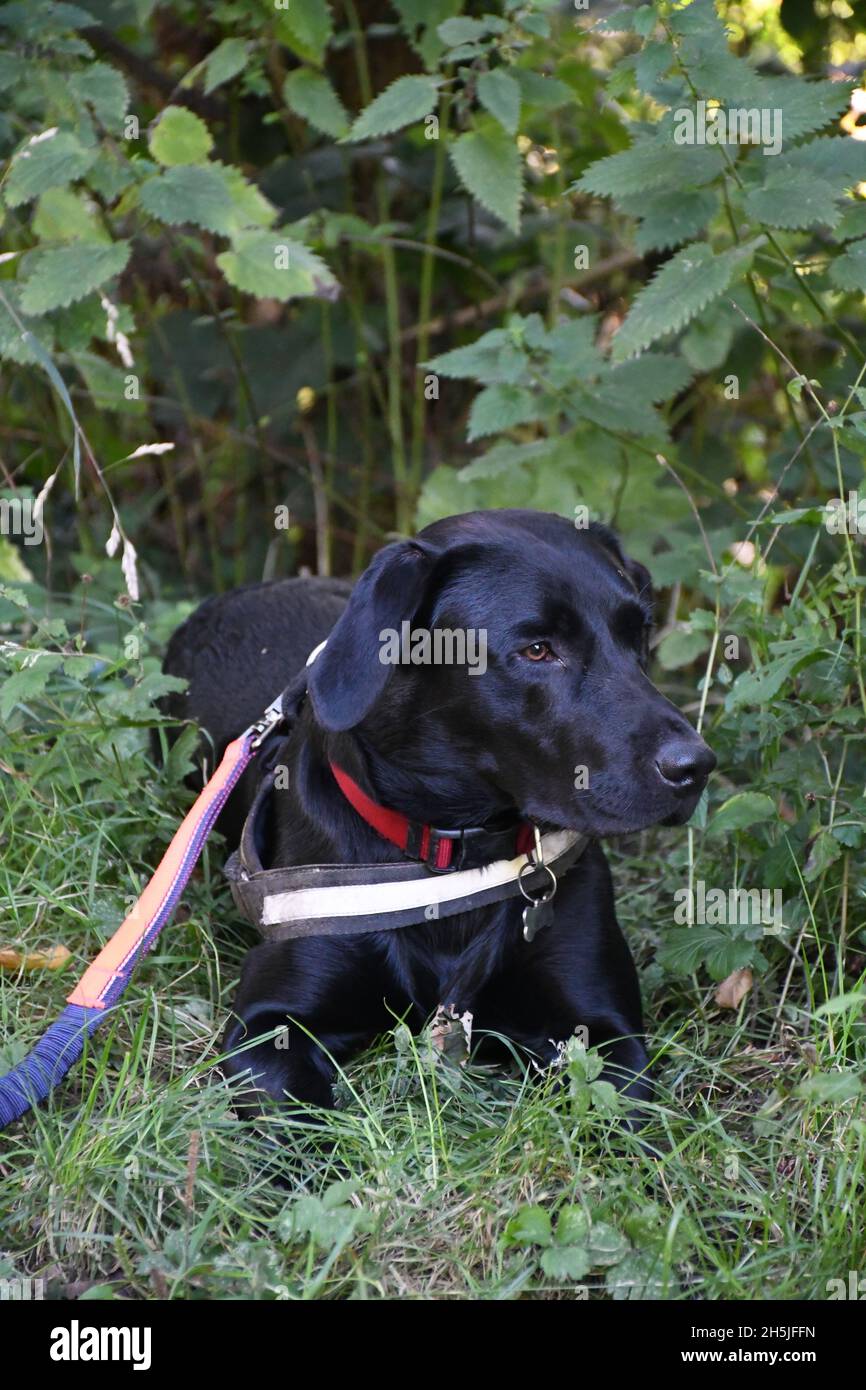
(347, 676)
(637, 573)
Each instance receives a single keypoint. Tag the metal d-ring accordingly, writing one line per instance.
(530, 867)
(538, 913)
(545, 897)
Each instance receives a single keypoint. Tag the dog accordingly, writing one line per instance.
(563, 729)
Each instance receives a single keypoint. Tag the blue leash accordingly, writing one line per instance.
(106, 978)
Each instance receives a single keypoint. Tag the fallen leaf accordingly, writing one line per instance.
(53, 959)
(732, 991)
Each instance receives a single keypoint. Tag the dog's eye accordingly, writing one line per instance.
(539, 651)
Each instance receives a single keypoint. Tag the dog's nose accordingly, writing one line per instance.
(685, 763)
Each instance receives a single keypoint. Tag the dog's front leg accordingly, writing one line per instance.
(303, 1008)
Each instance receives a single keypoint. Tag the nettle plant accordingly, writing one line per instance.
(595, 425)
(740, 186)
(95, 189)
(787, 818)
(92, 180)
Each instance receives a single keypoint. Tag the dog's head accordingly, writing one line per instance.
(510, 647)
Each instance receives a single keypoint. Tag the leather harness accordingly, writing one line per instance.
(444, 873)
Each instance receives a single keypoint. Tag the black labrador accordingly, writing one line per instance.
(563, 727)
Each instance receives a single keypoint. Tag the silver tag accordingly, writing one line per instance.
(536, 916)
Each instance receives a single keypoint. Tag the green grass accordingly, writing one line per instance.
(428, 1181)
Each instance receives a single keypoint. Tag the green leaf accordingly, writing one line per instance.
(836, 158)
(602, 402)
(573, 352)
(272, 266)
(28, 683)
(329, 1226)
(570, 1262)
(12, 567)
(740, 811)
(669, 217)
(68, 273)
(14, 346)
(193, 193)
(55, 18)
(686, 950)
(652, 163)
(651, 64)
(794, 200)
(718, 74)
(310, 95)
(462, 29)
(854, 1001)
(103, 89)
(690, 280)
(505, 457)
(500, 94)
(547, 93)
(406, 100)
(227, 60)
(848, 271)
(535, 23)
(849, 835)
(420, 20)
(499, 408)
(605, 1097)
(637, 1276)
(652, 377)
(805, 105)
(853, 223)
(572, 1226)
(624, 19)
(495, 356)
(180, 137)
(832, 1087)
(680, 648)
(78, 324)
(13, 69)
(250, 207)
(529, 1226)
(824, 851)
(306, 28)
(105, 382)
(763, 685)
(707, 342)
(46, 161)
(65, 215)
(489, 166)
(607, 1245)
(113, 172)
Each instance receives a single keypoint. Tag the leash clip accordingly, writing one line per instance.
(272, 717)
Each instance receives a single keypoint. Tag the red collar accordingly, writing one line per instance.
(440, 850)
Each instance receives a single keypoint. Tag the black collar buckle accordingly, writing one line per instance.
(474, 846)
(458, 839)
